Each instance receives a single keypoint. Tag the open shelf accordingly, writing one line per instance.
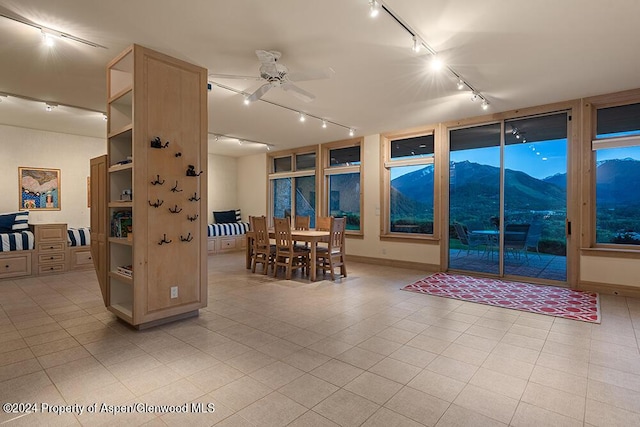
(121, 204)
(120, 94)
(120, 241)
(118, 168)
(122, 132)
(121, 112)
(121, 277)
(124, 310)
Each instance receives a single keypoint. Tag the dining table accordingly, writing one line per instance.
(313, 237)
(493, 238)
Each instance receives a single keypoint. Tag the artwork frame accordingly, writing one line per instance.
(39, 189)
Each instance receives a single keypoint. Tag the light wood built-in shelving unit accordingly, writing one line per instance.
(152, 95)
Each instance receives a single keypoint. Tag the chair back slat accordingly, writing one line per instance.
(282, 228)
(336, 241)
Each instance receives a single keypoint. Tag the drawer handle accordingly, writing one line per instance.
(89, 257)
(50, 247)
(6, 266)
(51, 257)
(51, 268)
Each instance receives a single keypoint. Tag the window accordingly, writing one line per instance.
(293, 184)
(409, 185)
(617, 175)
(343, 178)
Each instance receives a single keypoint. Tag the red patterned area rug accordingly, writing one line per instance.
(550, 300)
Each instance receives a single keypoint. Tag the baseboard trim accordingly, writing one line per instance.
(610, 289)
(394, 263)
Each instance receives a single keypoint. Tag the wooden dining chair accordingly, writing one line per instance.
(263, 251)
(301, 223)
(287, 255)
(327, 259)
(323, 223)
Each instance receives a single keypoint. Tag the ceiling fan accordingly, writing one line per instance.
(278, 75)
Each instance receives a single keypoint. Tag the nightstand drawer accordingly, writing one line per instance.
(51, 247)
(52, 257)
(51, 268)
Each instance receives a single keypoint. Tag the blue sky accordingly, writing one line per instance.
(539, 160)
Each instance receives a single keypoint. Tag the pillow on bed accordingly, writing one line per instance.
(6, 222)
(238, 216)
(21, 221)
(220, 217)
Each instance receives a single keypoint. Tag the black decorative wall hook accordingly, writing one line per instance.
(175, 188)
(191, 171)
(175, 209)
(186, 239)
(178, 154)
(157, 181)
(157, 204)
(157, 143)
(192, 218)
(164, 240)
(194, 198)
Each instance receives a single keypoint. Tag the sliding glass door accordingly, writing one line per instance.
(474, 198)
(508, 198)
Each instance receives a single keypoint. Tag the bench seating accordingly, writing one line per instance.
(79, 249)
(226, 237)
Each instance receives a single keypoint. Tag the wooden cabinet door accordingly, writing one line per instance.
(99, 228)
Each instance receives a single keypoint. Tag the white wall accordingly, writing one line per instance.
(252, 185)
(610, 271)
(222, 184)
(42, 149)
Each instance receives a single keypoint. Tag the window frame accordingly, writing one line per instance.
(328, 171)
(386, 163)
(592, 144)
(293, 174)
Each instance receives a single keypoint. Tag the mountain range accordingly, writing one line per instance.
(473, 181)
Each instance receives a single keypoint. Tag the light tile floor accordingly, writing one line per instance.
(358, 351)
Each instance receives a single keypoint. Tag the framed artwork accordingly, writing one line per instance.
(39, 189)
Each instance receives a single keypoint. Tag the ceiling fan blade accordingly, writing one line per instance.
(259, 92)
(323, 73)
(233, 76)
(297, 92)
(268, 56)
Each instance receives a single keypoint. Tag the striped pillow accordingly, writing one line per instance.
(238, 216)
(21, 223)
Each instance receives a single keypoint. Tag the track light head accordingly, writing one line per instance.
(246, 100)
(352, 132)
(324, 124)
(374, 8)
(417, 45)
(50, 106)
(485, 104)
(460, 84)
(302, 117)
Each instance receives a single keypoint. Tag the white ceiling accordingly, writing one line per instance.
(517, 53)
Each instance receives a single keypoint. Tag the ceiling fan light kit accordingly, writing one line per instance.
(274, 74)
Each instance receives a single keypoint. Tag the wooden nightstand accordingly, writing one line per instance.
(51, 244)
